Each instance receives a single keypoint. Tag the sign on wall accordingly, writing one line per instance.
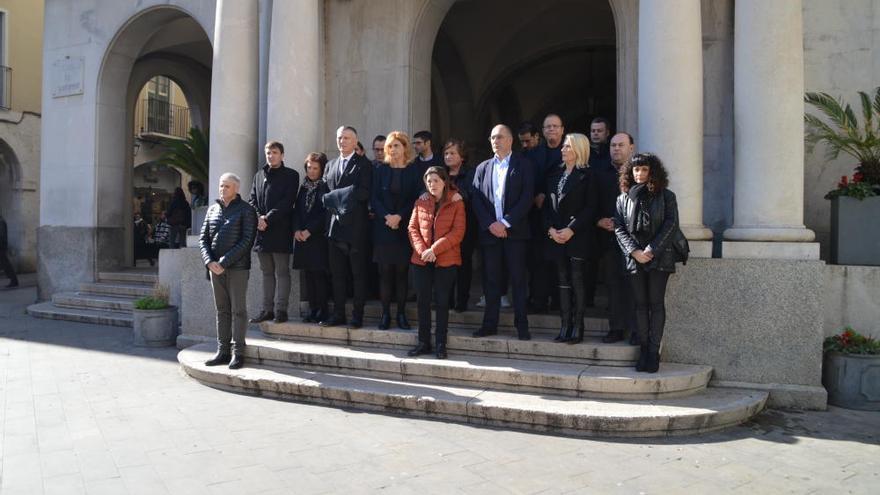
(67, 77)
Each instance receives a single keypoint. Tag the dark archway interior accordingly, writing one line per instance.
(509, 61)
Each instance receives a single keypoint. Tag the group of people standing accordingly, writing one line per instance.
(563, 206)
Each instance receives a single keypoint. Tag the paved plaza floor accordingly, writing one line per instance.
(84, 411)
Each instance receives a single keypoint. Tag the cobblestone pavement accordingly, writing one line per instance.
(83, 411)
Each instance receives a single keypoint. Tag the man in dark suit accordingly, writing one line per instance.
(348, 179)
(502, 196)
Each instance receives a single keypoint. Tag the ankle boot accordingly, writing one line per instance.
(565, 327)
(402, 322)
(643, 358)
(613, 336)
(385, 321)
(221, 357)
(577, 332)
(653, 361)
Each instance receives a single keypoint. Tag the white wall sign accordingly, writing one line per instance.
(67, 77)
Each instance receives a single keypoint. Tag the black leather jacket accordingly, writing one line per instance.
(663, 210)
(228, 234)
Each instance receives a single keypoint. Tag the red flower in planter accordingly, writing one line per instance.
(858, 177)
(844, 182)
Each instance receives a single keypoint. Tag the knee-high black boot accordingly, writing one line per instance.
(580, 301)
(565, 314)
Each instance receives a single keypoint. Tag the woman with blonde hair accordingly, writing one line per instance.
(396, 186)
(569, 213)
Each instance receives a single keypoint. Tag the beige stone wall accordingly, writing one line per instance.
(24, 51)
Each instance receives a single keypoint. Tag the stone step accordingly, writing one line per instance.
(519, 375)
(93, 301)
(710, 410)
(460, 341)
(97, 317)
(595, 322)
(129, 276)
(116, 289)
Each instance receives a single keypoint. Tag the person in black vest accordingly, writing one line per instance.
(225, 243)
(425, 156)
(4, 257)
(569, 214)
(309, 239)
(502, 196)
(396, 186)
(349, 178)
(461, 177)
(272, 195)
(646, 220)
(621, 316)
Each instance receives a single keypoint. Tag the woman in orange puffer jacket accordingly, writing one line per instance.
(436, 229)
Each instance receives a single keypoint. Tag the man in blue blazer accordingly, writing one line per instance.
(503, 193)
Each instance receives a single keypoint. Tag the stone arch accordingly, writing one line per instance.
(152, 42)
(624, 14)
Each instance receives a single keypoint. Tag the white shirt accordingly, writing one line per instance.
(499, 172)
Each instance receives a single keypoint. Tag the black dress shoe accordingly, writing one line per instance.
(12, 284)
(613, 336)
(263, 316)
(308, 318)
(482, 332)
(237, 362)
(524, 336)
(356, 322)
(419, 349)
(385, 321)
(218, 359)
(460, 308)
(441, 351)
(402, 322)
(333, 321)
(280, 317)
(634, 338)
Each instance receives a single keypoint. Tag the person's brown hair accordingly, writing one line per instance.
(459, 145)
(319, 158)
(658, 178)
(275, 144)
(444, 176)
(403, 138)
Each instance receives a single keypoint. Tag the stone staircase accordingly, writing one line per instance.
(589, 389)
(105, 302)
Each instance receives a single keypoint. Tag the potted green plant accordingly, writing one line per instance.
(855, 203)
(155, 321)
(851, 370)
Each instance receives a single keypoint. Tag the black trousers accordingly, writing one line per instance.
(461, 291)
(7, 267)
(620, 294)
(393, 281)
(509, 253)
(542, 273)
(649, 293)
(437, 282)
(341, 256)
(316, 288)
(572, 299)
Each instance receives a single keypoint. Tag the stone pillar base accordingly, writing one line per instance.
(770, 234)
(700, 249)
(784, 396)
(770, 250)
(696, 232)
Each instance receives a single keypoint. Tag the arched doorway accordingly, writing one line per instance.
(559, 57)
(11, 201)
(164, 41)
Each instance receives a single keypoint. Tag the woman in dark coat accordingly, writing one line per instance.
(461, 178)
(569, 213)
(309, 239)
(396, 186)
(646, 222)
(179, 217)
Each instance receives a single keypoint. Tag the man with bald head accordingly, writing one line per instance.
(622, 311)
(502, 196)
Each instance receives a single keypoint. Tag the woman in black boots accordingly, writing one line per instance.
(569, 212)
(396, 186)
(646, 222)
(309, 239)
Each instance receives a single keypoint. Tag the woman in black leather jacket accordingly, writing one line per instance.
(645, 222)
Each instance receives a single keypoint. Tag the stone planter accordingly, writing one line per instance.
(155, 327)
(852, 380)
(853, 241)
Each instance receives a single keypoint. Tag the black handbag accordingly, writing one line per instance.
(680, 246)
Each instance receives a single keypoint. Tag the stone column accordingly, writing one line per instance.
(234, 92)
(670, 104)
(769, 133)
(294, 85)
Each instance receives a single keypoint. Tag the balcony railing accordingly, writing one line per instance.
(5, 87)
(160, 117)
